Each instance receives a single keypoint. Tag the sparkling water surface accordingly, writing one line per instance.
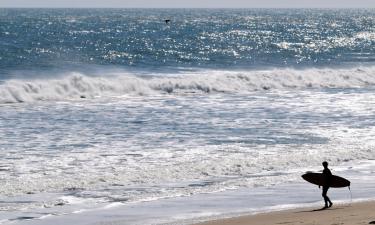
(44, 39)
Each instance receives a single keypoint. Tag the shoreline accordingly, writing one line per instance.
(204, 209)
(357, 213)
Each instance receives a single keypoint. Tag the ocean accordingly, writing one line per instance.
(117, 116)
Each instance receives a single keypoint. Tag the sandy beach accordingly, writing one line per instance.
(341, 214)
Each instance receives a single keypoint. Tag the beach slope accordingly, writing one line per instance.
(345, 214)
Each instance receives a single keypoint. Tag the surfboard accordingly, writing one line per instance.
(318, 179)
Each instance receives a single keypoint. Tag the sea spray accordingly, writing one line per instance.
(79, 85)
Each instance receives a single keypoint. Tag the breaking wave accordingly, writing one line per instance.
(78, 85)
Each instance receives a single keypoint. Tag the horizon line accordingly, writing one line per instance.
(12, 7)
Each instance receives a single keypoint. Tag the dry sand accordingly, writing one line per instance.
(344, 214)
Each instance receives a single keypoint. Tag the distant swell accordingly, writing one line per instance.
(78, 85)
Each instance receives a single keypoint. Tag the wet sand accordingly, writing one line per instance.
(340, 214)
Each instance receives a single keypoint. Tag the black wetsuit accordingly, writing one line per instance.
(327, 177)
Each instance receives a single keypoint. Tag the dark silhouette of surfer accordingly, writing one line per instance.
(327, 178)
(167, 21)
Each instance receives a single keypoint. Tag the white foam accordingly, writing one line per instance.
(137, 149)
(78, 85)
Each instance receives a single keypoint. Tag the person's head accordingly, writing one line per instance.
(325, 164)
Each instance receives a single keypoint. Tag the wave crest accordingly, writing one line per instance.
(78, 85)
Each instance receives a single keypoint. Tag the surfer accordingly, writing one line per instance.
(327, 177)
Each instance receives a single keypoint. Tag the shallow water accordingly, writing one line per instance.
(129, 149)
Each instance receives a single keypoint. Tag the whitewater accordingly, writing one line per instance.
(135, 140)
(75, 85)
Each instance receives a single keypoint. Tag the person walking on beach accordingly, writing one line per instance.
(327, 177)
